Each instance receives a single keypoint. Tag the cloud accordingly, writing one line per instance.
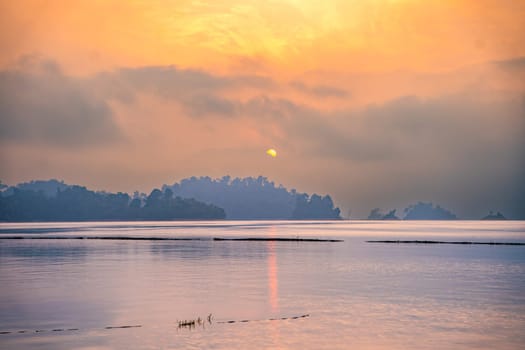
(199, 93)
(516, 63)
(173, 82)
(462, 149)
(320, 91)
(202, 105)
(406, 128)
(447, 125)
(39, 104)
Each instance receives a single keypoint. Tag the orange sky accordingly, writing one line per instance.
(343, 89)
(286, 36)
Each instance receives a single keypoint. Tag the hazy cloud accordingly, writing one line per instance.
(201, 105)
(463, 149)
(42, 105)
(405, 128)
(172, 82)
(513, 63)
(320, 91)
(199, 93)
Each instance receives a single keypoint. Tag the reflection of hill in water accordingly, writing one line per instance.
(196, 250)
(44, 251)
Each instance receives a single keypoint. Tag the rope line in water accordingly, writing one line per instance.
(268, 319)
(181, 324)
(447, 242)
(63, 329)
(214, 239)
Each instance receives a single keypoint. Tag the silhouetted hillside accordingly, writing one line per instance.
(427, 211)
(193, 198)
(48, 187)
(492, 216)
(376, 214)
(255, 198)
(76, 203)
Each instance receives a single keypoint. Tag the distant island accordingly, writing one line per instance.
(492, 216)
(376, 214)
(427, 211)
(418, 211)
(192, 199)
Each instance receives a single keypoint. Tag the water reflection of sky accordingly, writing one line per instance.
(358, 295)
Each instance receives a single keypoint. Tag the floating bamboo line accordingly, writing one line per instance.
(189, 324)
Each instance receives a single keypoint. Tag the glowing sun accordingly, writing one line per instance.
(272, 153)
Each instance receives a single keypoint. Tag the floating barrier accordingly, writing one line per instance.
(189, 324)
(268, 319)
(124, 238)
(448, 242)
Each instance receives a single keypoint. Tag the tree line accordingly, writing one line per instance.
(77, 203)
(193, 198)
(256, 198)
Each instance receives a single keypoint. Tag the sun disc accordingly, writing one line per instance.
(271, 152)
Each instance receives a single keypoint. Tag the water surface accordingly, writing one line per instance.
(357, 294)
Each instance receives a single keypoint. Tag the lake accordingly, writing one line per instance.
(117, 293)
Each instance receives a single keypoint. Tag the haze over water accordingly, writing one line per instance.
(357, 294)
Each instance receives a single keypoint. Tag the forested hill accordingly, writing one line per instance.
(76, 203)
(255, 198)
(194, 198)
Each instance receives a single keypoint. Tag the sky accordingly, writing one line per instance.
(379, 103)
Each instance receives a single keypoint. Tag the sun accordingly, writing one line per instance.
(272, 153)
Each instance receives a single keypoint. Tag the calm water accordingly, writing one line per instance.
(359, 295)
